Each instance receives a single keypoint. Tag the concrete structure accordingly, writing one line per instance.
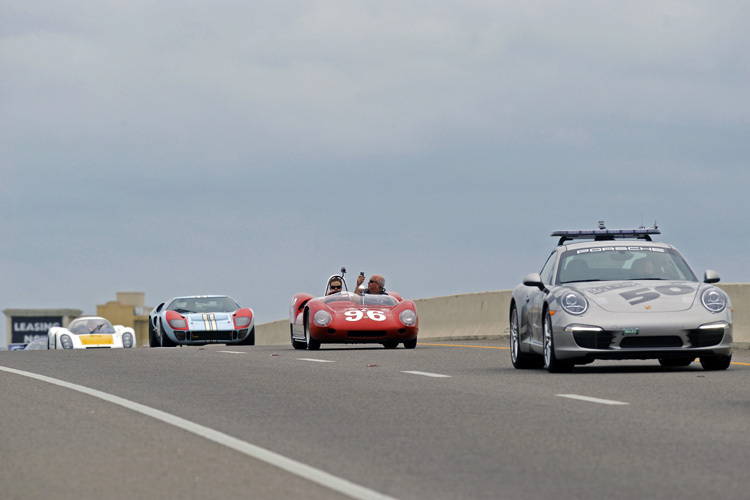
(128, 310)
(23, 326)
(485, 316)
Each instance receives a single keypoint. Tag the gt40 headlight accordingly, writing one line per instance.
(573, 302)
(127, 339)
(408, 317)
(713, 300)
(66, 341)
(322, 318)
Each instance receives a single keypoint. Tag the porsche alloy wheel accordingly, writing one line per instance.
(312, 344)
(519, 359)
(551, 363)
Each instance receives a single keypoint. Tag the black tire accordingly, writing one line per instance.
(165, 340)
(296, 343)
(675, 362)
(716, 363)
(390, 344)
(410, 344)
(249, 340)
(551, 363)
(312, 344)
(153, 340)
(520, 360)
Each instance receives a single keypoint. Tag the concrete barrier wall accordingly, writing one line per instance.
(485, 316)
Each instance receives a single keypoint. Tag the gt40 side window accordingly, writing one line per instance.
(549, 266)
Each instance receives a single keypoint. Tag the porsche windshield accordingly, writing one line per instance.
(187, 305)
(86, 326)
(367, 299)
(622, 263)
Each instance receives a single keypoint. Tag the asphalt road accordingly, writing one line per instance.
(442, 421)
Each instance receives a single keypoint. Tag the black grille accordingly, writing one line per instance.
(656, 341)
(366, 334)
(593, 340)
(705, 338)
(221, 335)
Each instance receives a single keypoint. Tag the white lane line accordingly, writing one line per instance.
(427, 374)
(592, 400)
(233, 352)
(297, 468)
(316, 360)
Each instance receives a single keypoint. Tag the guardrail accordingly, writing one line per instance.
(485, 316)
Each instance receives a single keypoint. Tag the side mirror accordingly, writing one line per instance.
(534, 279)
(711, 276)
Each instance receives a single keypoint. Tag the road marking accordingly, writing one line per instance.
(592, 400)
(292, 466)
(233, 352)
(316, 360)
(427, 374)
(464, 345)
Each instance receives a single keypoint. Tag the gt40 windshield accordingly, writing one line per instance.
(612, 264)
(186, 305)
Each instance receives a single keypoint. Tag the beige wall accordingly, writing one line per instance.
(485, 316)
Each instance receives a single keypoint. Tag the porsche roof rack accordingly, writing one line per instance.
(604, 234)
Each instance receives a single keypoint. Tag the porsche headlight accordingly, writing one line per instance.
(408, 317)
(713, 300)
(127, 340)
(573, 303)
(322, 318)
(66, 342)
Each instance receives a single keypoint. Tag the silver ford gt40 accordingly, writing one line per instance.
(618, 295)
(200, 320)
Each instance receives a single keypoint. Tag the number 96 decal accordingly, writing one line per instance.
(358, 315)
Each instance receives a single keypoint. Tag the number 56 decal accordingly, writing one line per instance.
(358, 315)
(645, 294)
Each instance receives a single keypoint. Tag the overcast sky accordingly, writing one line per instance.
(253, 148)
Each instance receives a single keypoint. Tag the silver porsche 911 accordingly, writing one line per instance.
(616, 294)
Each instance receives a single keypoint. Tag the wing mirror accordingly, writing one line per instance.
(711, 277)
(534, 279)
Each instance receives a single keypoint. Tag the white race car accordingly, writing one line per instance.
(90, 332)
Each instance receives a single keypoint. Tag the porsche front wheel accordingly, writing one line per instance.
(519, 359)
(551, 363)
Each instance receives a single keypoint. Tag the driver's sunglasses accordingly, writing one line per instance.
(375, 282)
(335, 287)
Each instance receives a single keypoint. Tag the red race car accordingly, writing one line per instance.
(349, 318)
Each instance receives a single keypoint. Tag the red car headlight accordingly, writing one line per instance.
(322, 318)
(408, 317)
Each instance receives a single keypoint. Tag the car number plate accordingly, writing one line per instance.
(630, 331)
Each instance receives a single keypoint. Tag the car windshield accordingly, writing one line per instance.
(186, 305)
(614, 263)
(86, 326)
(367, 299)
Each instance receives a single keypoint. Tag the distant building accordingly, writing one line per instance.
(128, 310)
(24, 326)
